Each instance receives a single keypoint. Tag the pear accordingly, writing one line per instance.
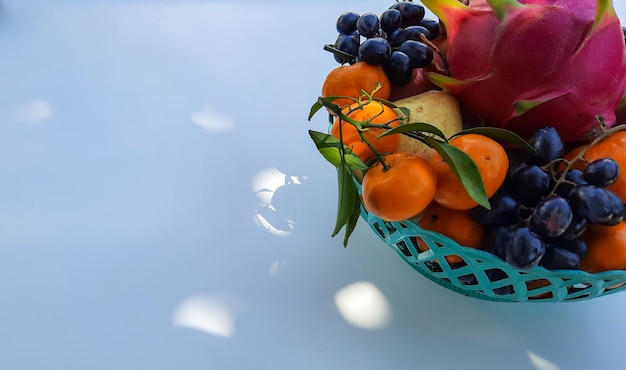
(435, 107)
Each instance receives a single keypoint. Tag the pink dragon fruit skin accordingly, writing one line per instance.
(526, 64)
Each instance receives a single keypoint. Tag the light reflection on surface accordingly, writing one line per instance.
(363, 305)
(212, 121)
(265, 184)
(210, 314)
(541, 363)
(34, 112)
(276, 266)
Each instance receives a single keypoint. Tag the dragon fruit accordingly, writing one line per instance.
(526, 64)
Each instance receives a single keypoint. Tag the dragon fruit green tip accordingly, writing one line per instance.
(526, 64)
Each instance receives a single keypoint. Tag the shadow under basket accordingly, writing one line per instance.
(485, 276)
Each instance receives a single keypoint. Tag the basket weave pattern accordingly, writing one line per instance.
(483, 275)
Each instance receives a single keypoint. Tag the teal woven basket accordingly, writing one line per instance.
(483, 275)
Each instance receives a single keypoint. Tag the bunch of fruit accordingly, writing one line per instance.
(507, 141)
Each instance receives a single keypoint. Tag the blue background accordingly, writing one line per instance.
(162, 207)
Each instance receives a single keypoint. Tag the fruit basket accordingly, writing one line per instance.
(485, 276)
(514, 196)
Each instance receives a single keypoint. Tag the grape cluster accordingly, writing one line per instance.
(545, 205)
(392, 40)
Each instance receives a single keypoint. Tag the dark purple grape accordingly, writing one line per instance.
(398, 68)
(575, 228)
(525, 248)
(412, 13)
(497, 239)
(601, 172)
(557, 258)
(419, 53)
(348, 44)
(548, 144)
(577, 246)
(529, 184)
(415, 32)
(396, 38)
(346, 23)
(390, 20)
(551, 217)
(433, 27)
(504, 210)
(375, 51)
(573, 177)
(592, 203)
(368, 25)
(617, 210)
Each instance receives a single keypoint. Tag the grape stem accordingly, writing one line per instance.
(604, 132)
(426, 41)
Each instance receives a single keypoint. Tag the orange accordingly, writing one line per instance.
(491, 160)
(372, 112)
(457, 225)
(607, 248)
(613, 146)
(352, 80)
(401, 191)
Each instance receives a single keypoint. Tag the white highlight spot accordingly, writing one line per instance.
(34, 112)
(541, 363)
(363, 305)
(276, 266)
(208, 314)
(212, 121)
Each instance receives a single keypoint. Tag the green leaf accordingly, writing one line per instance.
(412, 127)
(464, 168)
(500, 134)
(330, 147)
(314, 109)
(352, 221)
(347, 196)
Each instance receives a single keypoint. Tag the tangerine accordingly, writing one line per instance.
(402, 189)
(607, 248)
(370, 112)
(351, 80)
(610, 147)
(457, 225)
(490, 158)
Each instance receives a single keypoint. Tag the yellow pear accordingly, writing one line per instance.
(434, 107)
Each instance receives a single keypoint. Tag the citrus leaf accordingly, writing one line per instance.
(413, 127)
(347, 196)
(501, 134)
(330, 148)
(464, 168)
(354, 217)
(314, 109)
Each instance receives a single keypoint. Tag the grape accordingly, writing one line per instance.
(368, 25)
(551, 217)
(419, 53)
(577, 246)
(398, 68)
(529, 184)
(617, 210)
(412, 13)
(573, 177)
(525, 248)
(575, 228)
(390, 20)
(433, 27)
(346, 23)
(592, 203)
(556, 257)
(547, 142)
(415, 32)
(504, 210)
(375, 51)
(396, 38)
(348, 44)
(601, 172)
(497, 239)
